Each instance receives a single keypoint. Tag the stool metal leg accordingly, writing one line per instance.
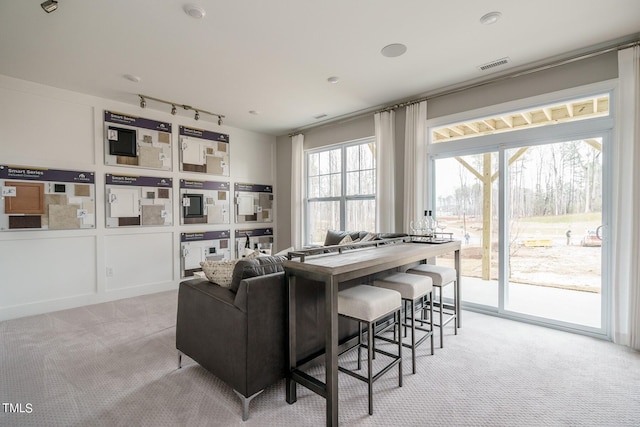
(431, 318)
(441, 326)
(455, 307)
(359, 345)
(370, 365)
(399, 352)
(413, 336)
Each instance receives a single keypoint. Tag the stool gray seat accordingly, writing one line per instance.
(441, 276)
(367, 304)
(411, 287)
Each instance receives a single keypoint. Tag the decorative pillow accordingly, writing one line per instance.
(246, 268)
(369, 237)
(250, 253)
(334, 237)
(346, 239)
(219, 272)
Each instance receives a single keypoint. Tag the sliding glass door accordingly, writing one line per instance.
(554, 208)
(467, 200)
(530, 218)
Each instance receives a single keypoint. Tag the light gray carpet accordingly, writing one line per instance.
(114, 364)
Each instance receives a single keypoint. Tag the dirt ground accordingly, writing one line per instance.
(560, 265)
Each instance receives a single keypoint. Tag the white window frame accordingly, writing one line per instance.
(603, 126)
(343, 198)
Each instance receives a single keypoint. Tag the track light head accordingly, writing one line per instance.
(175, 105)
(49, 5)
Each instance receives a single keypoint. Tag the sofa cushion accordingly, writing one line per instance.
(259, 266)
(219, 272)
(334, 237)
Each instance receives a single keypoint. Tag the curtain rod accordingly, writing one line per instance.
(354, 115)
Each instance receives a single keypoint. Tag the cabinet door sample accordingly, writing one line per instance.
(192, 257)
(124, 202)
(29, 198)
(192, 152)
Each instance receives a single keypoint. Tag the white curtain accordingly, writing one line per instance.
(385, 182)
(297, 191)
(625, 233)
(415, 174)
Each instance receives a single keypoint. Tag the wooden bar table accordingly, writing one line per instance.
(333, 269)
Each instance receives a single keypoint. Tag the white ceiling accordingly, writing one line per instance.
(275, 56)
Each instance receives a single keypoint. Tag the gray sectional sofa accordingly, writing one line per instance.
(240, 333)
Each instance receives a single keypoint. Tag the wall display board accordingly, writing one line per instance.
(204, 151)
(203, 246)
(204, 202)
(46, 199)
(254, 203)
(138, 201)
(135, 141)
(260, 239)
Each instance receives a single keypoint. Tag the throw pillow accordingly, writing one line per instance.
(334, 237)
(368, 237)
(250, 253)
(219, 272)
(346, 239)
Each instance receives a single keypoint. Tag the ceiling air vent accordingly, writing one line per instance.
(320, 116)
(494, 64)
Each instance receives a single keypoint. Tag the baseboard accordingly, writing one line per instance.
(49, 306)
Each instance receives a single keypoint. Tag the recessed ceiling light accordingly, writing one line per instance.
(333, 79)
(132, 78)
(393, 50)
(490, 18)
(254, 112)
(194, 11)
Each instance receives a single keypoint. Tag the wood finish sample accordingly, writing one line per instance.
(29, 198)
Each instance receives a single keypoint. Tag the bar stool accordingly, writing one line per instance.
(441, 277)
(412, 287)
(367, 304)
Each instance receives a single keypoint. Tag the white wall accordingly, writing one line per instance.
(43, 271)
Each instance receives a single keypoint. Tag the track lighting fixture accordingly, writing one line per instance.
(175, 105)
(49, 5)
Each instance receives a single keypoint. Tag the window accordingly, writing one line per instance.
(341, 187)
